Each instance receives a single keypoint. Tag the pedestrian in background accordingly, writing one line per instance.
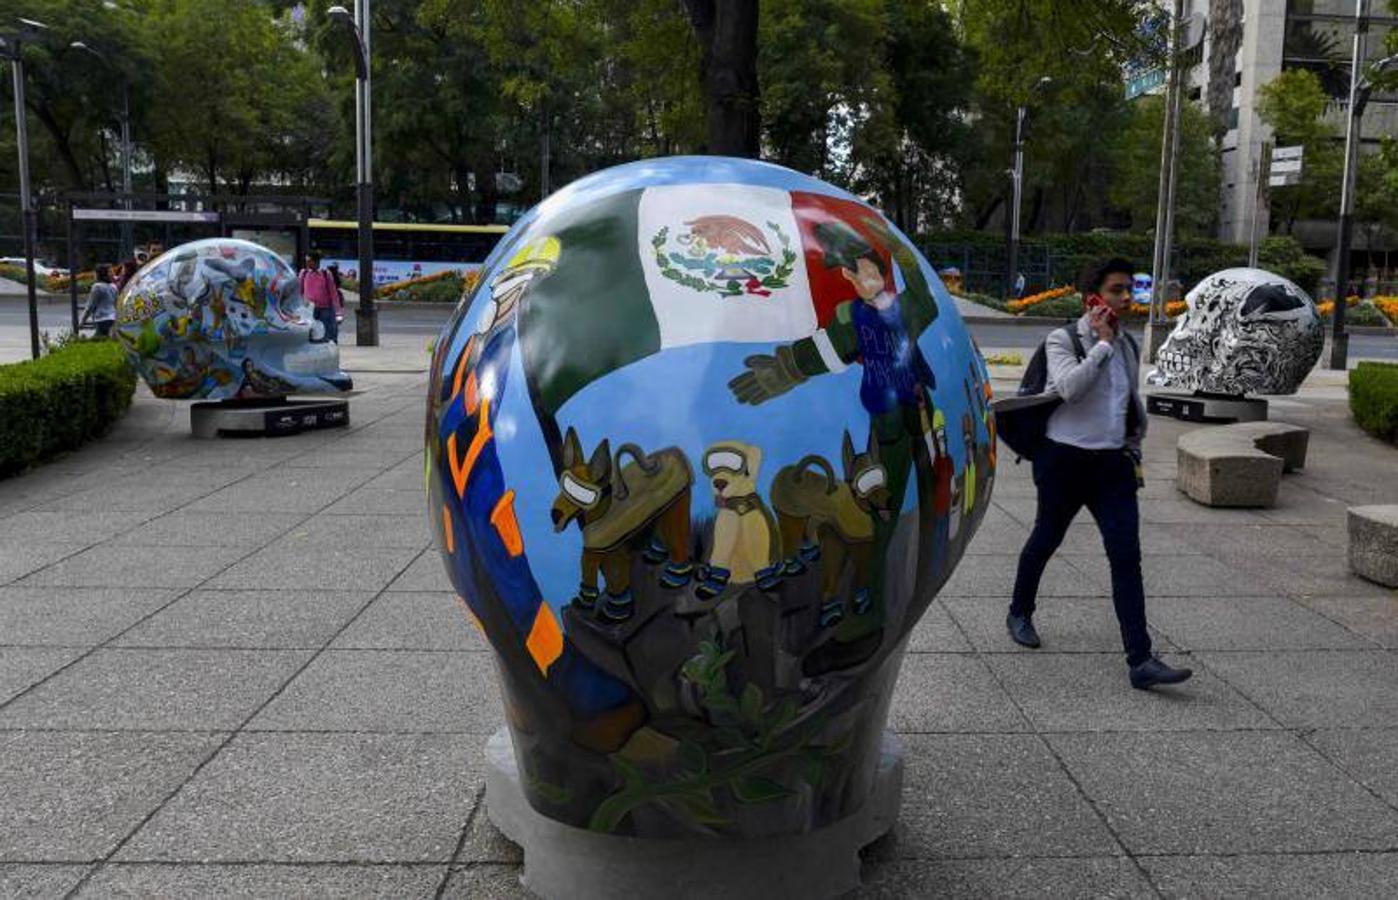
(1092, 458)
(101, 303)
(318, 286)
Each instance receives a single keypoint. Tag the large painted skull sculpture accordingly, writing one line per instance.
(1246, 331)
(223, 318)
(701, 447)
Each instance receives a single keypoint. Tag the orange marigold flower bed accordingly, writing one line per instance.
(1035, 299)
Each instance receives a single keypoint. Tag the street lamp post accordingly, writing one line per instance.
(1361, 86)
(12, 47)
(1017, 177)
(366, 330)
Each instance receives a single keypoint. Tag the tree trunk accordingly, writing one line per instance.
(487, 194)
(61, 142)
(727, 33)
(986, 214)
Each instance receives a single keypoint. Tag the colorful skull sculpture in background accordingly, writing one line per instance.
(1246, 331)
(223, 318)
(702, 446)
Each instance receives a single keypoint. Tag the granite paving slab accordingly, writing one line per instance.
(326, 530)
(1374, 617)
(486, 881)
(1083, 692)
(380, 501)
(427, 573)
(71, 797)
(1332, 876)
(74, 617)
(1248, 623)
(992, 795)
(20, 558)
(1224, 792)
(434, 620)
(183, 528)
(994, 576)
(146, 690)
(248, 619)
(389, 690)
(1089, 876)
(107, 565)
(320, 797)
(38, 880)
(1065, 625)
(23, 667)
(1369, 755)
(289, 490)
(89, 526)
(937, 632)
(950, 692)
(264, 880)
(283, 567)
(1317, 689)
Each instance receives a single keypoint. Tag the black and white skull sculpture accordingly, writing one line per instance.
(1246, 331)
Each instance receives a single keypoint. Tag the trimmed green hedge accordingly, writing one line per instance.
(56, 403)
(1373, 398)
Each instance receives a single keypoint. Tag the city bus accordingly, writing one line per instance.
(404, 250)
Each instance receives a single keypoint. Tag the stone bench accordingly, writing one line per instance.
(1239, 465)
(1373, 543)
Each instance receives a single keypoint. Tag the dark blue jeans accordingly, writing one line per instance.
(1069, 478)
(326, 316)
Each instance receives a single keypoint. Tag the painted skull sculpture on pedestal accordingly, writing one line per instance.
(1246, 331)
(223, 318)
(701, 449)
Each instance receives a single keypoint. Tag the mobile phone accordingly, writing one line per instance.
(1095, 300)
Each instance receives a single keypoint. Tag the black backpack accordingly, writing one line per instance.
(1021, 422)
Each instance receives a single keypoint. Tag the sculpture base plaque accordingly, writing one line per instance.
(563, 861)
(1203, 407)
(267, 417)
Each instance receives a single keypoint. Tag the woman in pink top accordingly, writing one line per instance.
(318, 286)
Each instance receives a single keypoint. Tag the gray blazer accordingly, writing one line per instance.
(1071, 378)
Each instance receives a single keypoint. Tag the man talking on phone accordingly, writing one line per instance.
(1092, 459)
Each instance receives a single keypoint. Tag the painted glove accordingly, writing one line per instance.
(767, 377)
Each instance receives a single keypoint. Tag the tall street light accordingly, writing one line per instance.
(1361, 87)
(126, 247)
(366, 331)
(12, 48)
(1017, 176)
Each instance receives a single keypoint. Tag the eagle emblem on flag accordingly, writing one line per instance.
(726, 255)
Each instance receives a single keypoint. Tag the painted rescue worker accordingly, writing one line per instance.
(877, 329)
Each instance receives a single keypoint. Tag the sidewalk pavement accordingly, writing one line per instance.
(238, 667)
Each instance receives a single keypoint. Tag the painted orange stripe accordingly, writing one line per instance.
(446, 528)
(545, 642)
(473, 394)
(503, 518)
(460, 472)
(461, 368)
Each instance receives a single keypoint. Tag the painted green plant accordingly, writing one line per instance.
(752, 744)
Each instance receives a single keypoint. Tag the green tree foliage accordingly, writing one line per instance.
(1135, 183)
(1081, 45)
(1294, 105)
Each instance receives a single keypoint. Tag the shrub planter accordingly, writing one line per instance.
(1373, 398)
(57, 403)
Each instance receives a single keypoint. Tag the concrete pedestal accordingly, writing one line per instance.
(565, 862)
(1206, 407)
(267, 417)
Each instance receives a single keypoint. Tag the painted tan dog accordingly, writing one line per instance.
(745, 549)
(832, 520)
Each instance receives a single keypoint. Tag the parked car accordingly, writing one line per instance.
(42, 269)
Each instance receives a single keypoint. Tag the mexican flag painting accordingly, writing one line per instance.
(658, 275)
